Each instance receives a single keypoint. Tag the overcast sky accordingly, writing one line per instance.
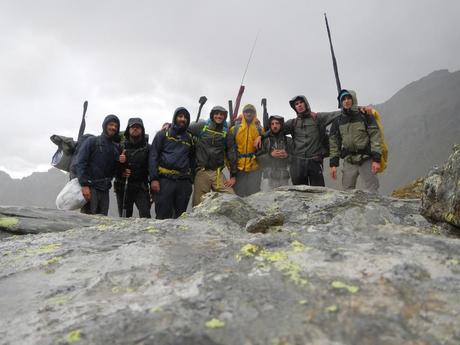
(145, 58)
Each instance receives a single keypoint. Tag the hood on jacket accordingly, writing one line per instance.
(177, 112)
(110, 118)
(249, 107)
(351, 93)
(303, 98)
(279, 118)
(218, 108)
(276, 117)
(134, 121)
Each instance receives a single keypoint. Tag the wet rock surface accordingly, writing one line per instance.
(441, 192)
(331, 267)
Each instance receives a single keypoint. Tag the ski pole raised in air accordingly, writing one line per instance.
(334, 61)
(263, 103)
(241, 90)
(202, 101)
(83, 121)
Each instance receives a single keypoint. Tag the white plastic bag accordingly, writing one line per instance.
(70, 197)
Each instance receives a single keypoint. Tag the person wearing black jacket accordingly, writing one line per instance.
(213, 147)
(274, 153)
(96, 165)
(171, 166)
(133, 171)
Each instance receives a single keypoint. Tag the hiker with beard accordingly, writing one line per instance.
(274, 154)
(171, 166)
(213, 147)
(133, 171)
(96, 165)
(246, 129)
(355, 137)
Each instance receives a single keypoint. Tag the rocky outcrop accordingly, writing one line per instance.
(441, 191)
(413, 190)
(324, 267)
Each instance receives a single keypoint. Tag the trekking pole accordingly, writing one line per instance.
(230, 107)
(241, 90)
(202, 101)
(125, 192)
(263, 103)
(83, 121)
(334, 61)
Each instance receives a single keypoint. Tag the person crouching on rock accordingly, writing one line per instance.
(96, 165)
(132, 175)
(213, 147)
(274, 154)
(355, 137)
(170, 166)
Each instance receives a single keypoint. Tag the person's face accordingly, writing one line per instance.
(248, 115)
(135, 131)
(347, 102)
(219, 117)
(112, 129)
(181, 120)
(300, 106)
(275, 126)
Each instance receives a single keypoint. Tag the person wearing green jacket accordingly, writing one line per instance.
(355, 137)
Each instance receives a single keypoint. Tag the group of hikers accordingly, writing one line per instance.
(184, 154)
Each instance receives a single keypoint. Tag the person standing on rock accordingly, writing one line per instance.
(213, 147)
(171, 166)
(274, 154)
(244, 132)
(308, 131)
(355, 137)
(96, 165)
(132, 175)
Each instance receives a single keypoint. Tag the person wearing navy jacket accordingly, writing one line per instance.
(171, 167)
(96, 165)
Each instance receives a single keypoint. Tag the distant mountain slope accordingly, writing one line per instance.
(421, 125)
(39, 189)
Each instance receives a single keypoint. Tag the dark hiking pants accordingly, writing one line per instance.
(307, 171)
(99, 203)
(172, 199)
(247, 183)
(137, 194)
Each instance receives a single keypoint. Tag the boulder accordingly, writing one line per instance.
(441, 192)
(322, 267)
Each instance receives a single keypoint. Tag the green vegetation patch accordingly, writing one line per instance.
(343, 286)
(52, 261)
(8, 222)
(73, 337)
(49, 248)
(215, 323)
(278, 258)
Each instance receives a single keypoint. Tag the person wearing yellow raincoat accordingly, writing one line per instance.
(244, 132)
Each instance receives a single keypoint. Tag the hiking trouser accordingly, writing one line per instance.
(99, 203)
(207, 180)
(247, 183)
(172, 199)
(137, 194)
(307, 171)
(350, 173)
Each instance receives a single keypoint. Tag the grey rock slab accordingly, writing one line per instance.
(33, 220)
(351, 268)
